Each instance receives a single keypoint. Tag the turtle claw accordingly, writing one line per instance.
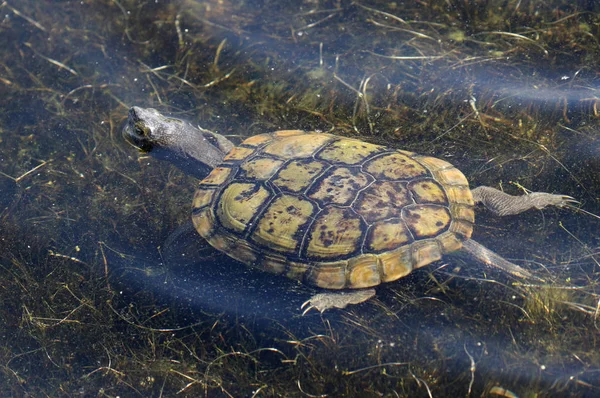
(308, 308)
(542, 200)
(325, 301)
(567, 200)
(564, 199)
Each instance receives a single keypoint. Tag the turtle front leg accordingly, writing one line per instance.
(503, 204)
(325, 301)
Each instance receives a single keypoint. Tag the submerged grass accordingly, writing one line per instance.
(505, 90)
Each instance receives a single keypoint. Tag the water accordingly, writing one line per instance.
(97, 297)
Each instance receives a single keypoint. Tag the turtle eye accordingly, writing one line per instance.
(139, 131)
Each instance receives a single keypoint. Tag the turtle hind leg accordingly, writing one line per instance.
(488, 257)
(503, 204)
(325, 301)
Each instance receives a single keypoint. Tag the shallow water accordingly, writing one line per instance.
(101, 296)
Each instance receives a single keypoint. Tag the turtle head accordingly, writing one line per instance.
(147, 128)
(196, 151)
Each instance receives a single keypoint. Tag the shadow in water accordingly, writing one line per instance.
(189, 273)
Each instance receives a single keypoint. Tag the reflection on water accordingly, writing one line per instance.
(98, 299)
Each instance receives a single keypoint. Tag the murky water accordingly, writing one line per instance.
(103, 294)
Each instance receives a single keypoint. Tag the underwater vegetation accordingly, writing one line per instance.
(102, 295)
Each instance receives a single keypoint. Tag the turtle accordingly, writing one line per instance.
(337, 213)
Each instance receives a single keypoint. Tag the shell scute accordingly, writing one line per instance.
(239, 203)
(395, 166)
(339, 186)
(330, 275)
(461, 228)
(203, 197)
(451, 176)
(279, 226)
(297, 270)
(396, 263)
(450, 242)
(335, 233)
(298, 175)
(260, 168)
(258, 140)
(348, 151)
(425, 252)
(221, 242)
(459, 194)
(239, 153)
(428, 191)
(274, 263)
(296, 146)
(204, 222)
(382, 199)
(387, 235)
(243, 251)
(426, 221)
(433, 164)
(462, 212)
(363, 272)
(217, 176)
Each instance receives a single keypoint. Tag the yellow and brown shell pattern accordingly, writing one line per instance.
(335, 212)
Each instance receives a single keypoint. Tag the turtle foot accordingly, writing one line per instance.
(325, 301)
(503, 204)
(541, 200)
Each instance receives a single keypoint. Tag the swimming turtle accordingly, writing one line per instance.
(334, 212)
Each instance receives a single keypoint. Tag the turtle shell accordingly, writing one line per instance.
(334, 212)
